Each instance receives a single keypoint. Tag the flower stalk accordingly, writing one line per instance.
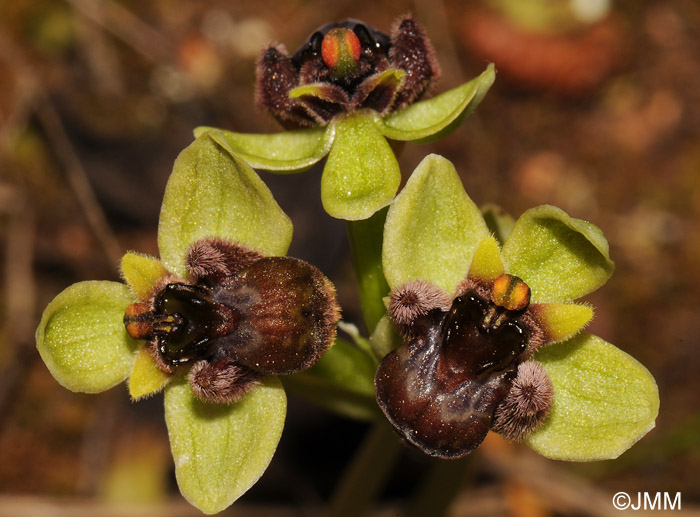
(366, 246)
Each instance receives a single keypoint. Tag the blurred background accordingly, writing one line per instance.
(596, 109)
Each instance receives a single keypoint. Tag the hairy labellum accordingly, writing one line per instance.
(441, 390)
(289, 315)
(276, 315)
(345, 66)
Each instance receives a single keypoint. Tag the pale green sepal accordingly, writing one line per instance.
(361, 174)
(221, 450)
(287, 152)
(341, 381)
(142, 273)
(604, 401)
(146, 378)
(432, 228)
(430, 120)
(212, 193)
(82, 339)
(385, 338)
(559, 257)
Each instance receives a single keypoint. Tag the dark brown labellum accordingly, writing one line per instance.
(243, 316)
(275, 316)
(475, 342)
(289, 315)
(441, 389)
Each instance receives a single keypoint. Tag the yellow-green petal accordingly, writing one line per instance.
(434, 118)
(221, 450)
(486, 264)
(141, 273)
(559, 257)
(288, 151)
(604, 401)
(561, 321)
(379, 90)
(146, 378)
(213, 193)
(82, 339)
(432, 228)
(361, 174)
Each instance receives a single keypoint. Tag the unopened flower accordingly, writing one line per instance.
(212, 323)
(355, 87)
(343, 67)
(493, 335)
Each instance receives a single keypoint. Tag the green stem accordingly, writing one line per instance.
(366, 238)
(367, 473)
(372, 464)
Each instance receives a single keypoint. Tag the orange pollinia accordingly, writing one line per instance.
(510, 292)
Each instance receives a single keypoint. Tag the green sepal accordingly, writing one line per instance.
(341, 381)
(141, 273)
(604, 401)
(82, 339)
(559, 257)
(432, 119)
(146, 378)
(432, 228)
(213, 193)
(361, 174)
(287, 152)
(221, 450)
